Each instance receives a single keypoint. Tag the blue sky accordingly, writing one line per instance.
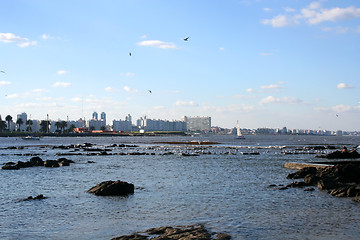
(266, 63)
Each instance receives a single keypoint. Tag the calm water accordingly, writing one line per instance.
(225, 192)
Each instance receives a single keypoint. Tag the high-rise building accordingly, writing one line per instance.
(95, 115)
(23, 117)
(103, 117)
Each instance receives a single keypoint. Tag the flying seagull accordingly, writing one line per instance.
(187, 38)
(130, 54)
(149, 91)
(2, 71)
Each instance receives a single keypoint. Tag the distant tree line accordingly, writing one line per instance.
(61, 126)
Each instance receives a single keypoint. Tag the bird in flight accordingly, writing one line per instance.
(337, 115)
(186, 39)
(149, 91)
(130, 54)
(2, 71)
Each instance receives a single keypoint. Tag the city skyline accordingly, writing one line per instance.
(265, 63)
(97, 121)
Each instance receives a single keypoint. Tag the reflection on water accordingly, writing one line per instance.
(225, 190)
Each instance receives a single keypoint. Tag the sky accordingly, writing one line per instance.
(264, 63)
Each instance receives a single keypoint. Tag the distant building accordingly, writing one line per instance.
(96, 124)
(103, 116)
(95, 116)
(160, 125)
(23, 117)
(197, 124)
(78, 124)
(120, 125)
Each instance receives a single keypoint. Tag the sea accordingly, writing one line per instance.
(228, 185)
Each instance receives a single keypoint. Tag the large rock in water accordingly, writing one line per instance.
(112, 188)
(343, 154)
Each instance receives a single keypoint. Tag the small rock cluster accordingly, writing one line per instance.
(184, 233)
(37, 161)
(38, 197)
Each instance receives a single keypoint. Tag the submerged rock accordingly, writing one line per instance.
(112, 188)
(38, 197)
(184, 233)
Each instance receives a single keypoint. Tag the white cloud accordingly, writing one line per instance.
(334, 14)
(12, 38)
(286, 100)
(39, 90)
(131, 90)
(342, 108)
(158, 44)
(267, 9)
(275, 87)
(289, 9)
(143, 36)
(62, 72)
(4, 83)
(45, 36)
(111, 89)
(244, 96)
(61, 84)
(279, 21)
(12, 96)
(337, 29)
(128, 74)
(314, 14)
(344, 86)
(251, 90)
(185, 104)
(77, 99)
(265, 54)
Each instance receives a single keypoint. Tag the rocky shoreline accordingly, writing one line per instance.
(342, 179)
(198, 232)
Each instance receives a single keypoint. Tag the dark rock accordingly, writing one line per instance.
(343, 154)
(10, 167)
(21, 164)
(353, 191)
(328, 184)
(36, 161)
(38, 197)
(357, 198)
(302, 173)
(112, 188)
(311, 179)
(339, 192)
(297, 184)
(340, 180)
(64, 162)
(134, 236)
(184, 233)
(222, 236)
(309, 189)
(51, 163)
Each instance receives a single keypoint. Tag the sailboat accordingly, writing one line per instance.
(238, 132)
